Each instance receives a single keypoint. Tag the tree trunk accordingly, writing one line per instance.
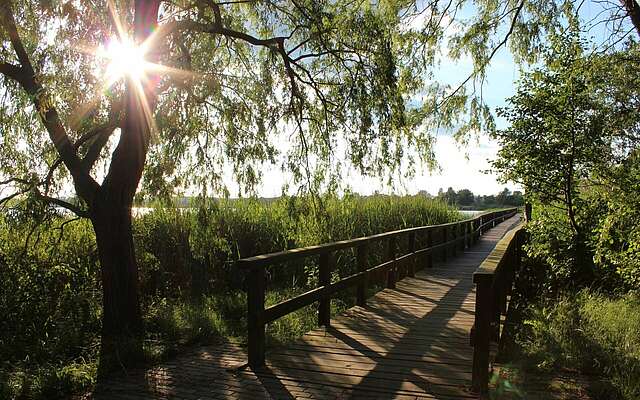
(633, 10)
(122, 330)
(121, 321)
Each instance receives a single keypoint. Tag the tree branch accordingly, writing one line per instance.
(276, 43)
(64, 204)
(14, 72)
(85, 185)
(633, 11)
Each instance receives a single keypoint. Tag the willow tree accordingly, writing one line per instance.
(95, 91)
(100, 95)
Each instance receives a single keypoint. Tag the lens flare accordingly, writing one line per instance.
(125, 59)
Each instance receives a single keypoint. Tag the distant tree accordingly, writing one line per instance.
(490, 201)
(465, 197)
(504, 196)
(517, 199)
(450, 196)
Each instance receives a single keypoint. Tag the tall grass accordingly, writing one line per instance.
(597, 335)
(191, 252)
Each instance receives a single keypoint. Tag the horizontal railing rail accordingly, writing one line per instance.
(442, 239)
(494, 280)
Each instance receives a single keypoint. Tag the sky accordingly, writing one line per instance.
(460, 167)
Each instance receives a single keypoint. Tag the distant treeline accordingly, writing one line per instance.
(465, 199)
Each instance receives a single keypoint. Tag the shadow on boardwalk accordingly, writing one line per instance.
(409, 342)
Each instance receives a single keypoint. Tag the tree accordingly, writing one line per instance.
(450, 196)
(571, 122)
(517, 199)
(212, 82)
(108, 205)
(503, 196)
(465, 197)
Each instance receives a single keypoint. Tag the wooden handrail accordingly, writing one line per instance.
(303, 252)
(452, 237)
(494, 281)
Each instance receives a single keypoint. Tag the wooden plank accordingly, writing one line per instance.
(434, 357)
(255, 318)
(458, 352)
(378, 382)
(366, 338)
(424, 361)
(436, 373)
(362, 261)
(327, 262)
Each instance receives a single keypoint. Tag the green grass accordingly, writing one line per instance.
(586, 335)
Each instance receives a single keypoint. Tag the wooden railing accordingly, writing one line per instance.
(440, 239)
(494, 281)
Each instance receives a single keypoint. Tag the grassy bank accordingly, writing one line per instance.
(191, 293)
(591, 338)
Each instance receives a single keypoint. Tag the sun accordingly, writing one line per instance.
(125, 59)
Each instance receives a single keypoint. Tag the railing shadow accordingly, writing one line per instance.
(437, 318)
(204, 373)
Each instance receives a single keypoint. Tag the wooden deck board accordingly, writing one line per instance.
(409, 342)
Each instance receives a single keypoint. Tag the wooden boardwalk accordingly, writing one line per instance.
(409, 342)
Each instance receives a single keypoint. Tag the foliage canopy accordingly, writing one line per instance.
(573, 144)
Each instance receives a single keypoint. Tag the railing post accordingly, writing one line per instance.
(462, 230)
(519, 252)
(476, 225)
(481, 335)
(467, 235)
(391, 255)
(411, 267)
(255, 317)
(324, 279)
(445, 238)
(496, 303)
(361, 291)
(429, 244)
(454, 240)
